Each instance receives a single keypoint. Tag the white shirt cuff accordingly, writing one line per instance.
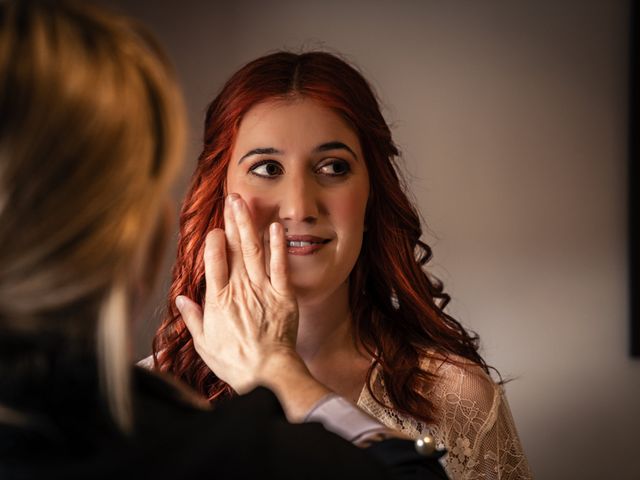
(343, 418)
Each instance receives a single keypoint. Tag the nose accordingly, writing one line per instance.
(299, 201)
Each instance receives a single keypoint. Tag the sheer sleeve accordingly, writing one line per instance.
(476, 426)
(474, 423)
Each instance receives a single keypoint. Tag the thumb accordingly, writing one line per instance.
(191, 314)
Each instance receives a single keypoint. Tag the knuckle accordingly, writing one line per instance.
(223, 297)
(251, 249)
(234, 247)
(214, 255)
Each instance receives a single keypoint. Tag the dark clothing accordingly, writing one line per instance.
(248, 437)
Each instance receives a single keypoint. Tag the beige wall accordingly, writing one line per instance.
(512, 119)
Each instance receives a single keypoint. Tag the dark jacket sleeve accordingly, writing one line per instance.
(248, 437)
(310, 451)
(402, 460)
(252, 437)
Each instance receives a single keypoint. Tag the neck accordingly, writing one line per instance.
(326, 344)
(325, 326)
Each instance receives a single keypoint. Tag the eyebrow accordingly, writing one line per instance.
(325, 147)
(261, 151)
(335, 146)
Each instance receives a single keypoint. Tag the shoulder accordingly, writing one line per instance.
(459, 381)
(459, 390)
(474, 421)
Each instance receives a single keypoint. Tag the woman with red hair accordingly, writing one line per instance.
(297, 143)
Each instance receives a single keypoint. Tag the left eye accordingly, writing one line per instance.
(335, 168)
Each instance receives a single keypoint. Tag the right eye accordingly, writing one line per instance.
(266, 169)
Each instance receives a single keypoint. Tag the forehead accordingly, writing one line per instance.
(299, 123)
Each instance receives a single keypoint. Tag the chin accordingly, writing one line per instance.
(310, 291)
(305, 287)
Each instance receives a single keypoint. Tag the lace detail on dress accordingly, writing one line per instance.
(474, 422)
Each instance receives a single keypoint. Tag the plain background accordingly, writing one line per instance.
(512, 120)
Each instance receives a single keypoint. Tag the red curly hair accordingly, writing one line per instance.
(397, 308)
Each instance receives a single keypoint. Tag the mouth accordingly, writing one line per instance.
(305, 244)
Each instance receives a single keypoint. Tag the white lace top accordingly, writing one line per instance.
(474, 422)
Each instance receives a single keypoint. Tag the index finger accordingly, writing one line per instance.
(250, 243)
(216, 269)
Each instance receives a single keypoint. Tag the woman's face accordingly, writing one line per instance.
(300, 164)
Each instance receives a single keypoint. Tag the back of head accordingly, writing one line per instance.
(91, 126)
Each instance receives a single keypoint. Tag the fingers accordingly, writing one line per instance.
(191, 315)
(278, 264)
(247, 251)
(250, 243)
(236, 263)
(216, 269)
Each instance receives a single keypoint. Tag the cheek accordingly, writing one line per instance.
(260, 207)
(261, 210)
(348, 211)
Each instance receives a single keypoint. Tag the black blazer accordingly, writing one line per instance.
(248, 437)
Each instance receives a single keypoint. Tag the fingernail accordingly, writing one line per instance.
(180, 302)
(273, 228)
(234, 198)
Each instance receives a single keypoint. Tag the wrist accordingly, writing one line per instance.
(285, 373)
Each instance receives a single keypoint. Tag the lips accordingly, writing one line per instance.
(305, 244)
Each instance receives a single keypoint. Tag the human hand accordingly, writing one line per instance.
(250, 319)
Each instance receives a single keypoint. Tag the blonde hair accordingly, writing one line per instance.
(91, 135)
